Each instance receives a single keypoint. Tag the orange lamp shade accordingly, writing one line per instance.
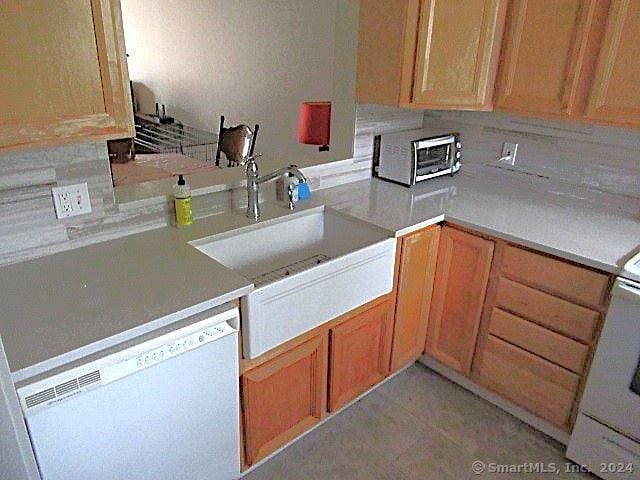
(315, 123)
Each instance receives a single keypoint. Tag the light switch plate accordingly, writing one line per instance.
(71, 200)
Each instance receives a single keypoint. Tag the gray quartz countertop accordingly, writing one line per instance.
(93, 297)
(560, 220)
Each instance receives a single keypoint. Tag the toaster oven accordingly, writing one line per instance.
(416, 155)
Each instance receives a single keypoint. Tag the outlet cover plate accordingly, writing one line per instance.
(71, 200)
(509, 152)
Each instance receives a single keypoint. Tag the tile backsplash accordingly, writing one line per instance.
(29, 227)
(600, 158)
(586, 156)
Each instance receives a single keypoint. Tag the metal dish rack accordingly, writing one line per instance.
(175, 137)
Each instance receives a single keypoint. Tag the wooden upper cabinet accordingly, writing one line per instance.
(418, 255)
(548, 55)
(429, 53)
(462, 274)
(63, 73)
(615, 92)
(457, 53)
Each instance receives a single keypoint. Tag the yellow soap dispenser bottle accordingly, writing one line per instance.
(182, 200)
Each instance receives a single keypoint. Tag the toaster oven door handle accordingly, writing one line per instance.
(433, 142)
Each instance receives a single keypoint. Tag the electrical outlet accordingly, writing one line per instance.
(71, 200)
(509, 151)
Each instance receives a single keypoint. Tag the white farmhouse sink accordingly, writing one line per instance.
(308, 268)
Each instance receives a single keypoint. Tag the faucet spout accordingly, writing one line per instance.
(254, 181)
(292, 169)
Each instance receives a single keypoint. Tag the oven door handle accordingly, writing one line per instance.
(628, 290)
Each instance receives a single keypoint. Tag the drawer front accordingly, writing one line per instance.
(552, 312)
(536, 339)
(603, 451)
(541, 387)
(555, 276)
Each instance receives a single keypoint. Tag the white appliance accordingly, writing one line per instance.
(606, 437)
(163, 406)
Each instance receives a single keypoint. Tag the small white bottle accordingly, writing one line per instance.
(182, 201)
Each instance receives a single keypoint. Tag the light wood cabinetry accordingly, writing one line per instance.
(572, 59)
(283, 397)
(359, 352)
(615, 91)
(538, 330)
(63, 74)
(545, 343)
(462, 273)
(548, 55)
(414, 289)
(429, 53)
(556, 277)
(528, 380)
(291, 388)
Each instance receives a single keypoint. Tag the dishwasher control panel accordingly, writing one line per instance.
(172, 349)
(112, 367)
(165, 352)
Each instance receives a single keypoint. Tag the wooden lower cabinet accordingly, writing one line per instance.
(540, 386)
(359, 352)
(283, 397)
(539, 326)
(462, 273)
(414, 288)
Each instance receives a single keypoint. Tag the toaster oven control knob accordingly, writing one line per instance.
(458, 145)
(457, 154)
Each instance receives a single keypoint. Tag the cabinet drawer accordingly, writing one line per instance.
(545, 389)
(552, 312)
(555, 276)
(536, 339)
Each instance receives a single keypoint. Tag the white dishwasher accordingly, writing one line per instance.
(163, 406)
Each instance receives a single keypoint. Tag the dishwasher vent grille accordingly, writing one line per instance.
(62, 389)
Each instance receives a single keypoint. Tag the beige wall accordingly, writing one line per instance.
(253, 61)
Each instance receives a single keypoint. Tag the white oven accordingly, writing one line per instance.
(606, 437)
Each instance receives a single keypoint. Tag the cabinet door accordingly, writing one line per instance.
(418, 255)
(457, 53)
(615, 92)
(548, 55)
(386, 50)
(462, 274)
(63, 72)
(283, 397)
(359, 353)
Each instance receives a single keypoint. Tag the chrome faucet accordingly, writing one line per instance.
(253, 182)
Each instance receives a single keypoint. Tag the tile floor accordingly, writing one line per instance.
(417, 426)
